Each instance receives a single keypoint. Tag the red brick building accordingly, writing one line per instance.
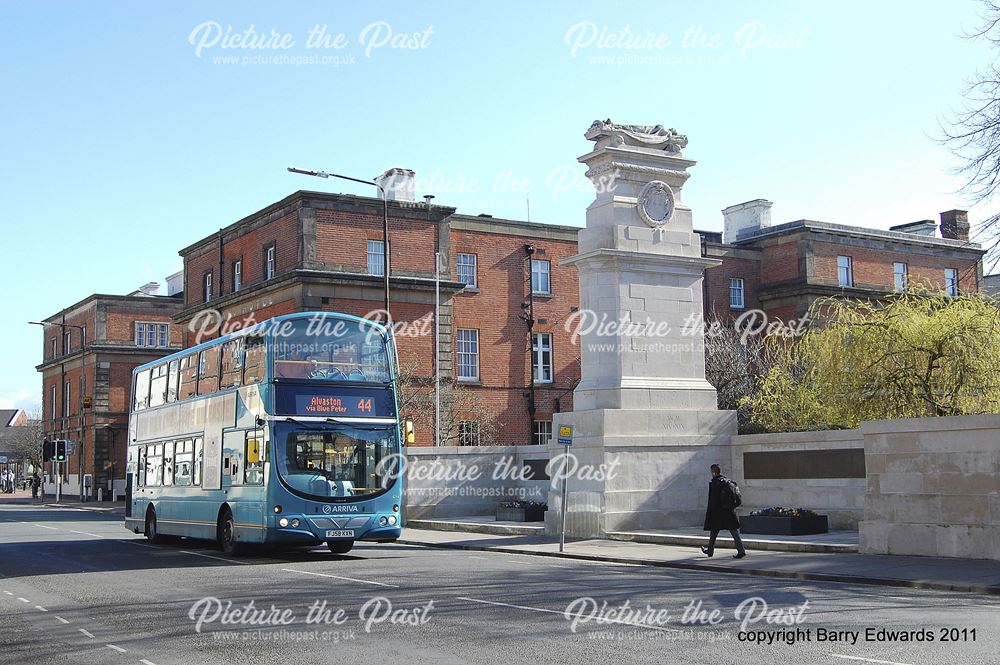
(88, 353)
(504, 299)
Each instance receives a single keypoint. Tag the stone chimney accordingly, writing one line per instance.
(175, 283)
(955, 225)
(397, 183)
(150, 288)
(743, 218)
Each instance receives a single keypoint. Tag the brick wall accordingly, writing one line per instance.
(873, 267)
(342, 241)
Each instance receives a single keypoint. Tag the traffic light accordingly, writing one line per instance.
(47, 450)
(59, 454)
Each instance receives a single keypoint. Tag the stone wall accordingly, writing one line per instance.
(827, 487)
(933, 487)
(463, 481)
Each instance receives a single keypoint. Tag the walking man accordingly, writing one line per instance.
(35, 483)
(723, 498)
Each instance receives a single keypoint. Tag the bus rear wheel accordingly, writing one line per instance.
(340, 546)
(151, 533)
(227, 534)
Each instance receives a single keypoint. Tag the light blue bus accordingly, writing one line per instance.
(285, 432)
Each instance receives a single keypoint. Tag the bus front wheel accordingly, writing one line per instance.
(340, 546)
(227, 534)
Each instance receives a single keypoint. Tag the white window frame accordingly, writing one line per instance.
(951, 281)
(467, 354)
(469, 433)
(462, 267)
(541, 432)
(152, 331)
(207, 286)
(269, 262)
(52, 401)
(542, 357)
(67, 342)
(737, 299)
(900, 276)
(237, 275)
(66, 396)
(376, 258)
(541, 268)
(849, 267)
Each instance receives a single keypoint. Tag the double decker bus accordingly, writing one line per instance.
(285, 432)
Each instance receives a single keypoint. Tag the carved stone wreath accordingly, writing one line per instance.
(656, 203)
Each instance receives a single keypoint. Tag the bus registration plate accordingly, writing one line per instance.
(343, 533)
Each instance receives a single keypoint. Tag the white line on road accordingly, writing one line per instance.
(40, 608)
(147, 662)
(340, 577)
(8, 593)
(23, 600)
(84, 533)
(132, 542)
(217, 558)
(116, 648)
(86, 632)
(60, 618)
(563, 613)
(868, 660)
(42, 526)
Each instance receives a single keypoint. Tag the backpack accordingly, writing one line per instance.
(731, 495)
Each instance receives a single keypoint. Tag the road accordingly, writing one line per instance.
(76, 588)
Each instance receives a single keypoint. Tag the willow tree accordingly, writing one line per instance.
(916, 354)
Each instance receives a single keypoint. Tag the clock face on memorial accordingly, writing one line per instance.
(656, 203)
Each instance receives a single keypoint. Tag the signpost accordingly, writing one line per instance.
(565, 438)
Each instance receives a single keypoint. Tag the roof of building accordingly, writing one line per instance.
(991, 285)
(843, 229)
(7, 416)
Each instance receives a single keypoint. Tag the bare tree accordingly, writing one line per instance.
(459, 404)
(735, 363)
(26, 441)
(973, 133)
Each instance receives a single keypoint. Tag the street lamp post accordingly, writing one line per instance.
(385, 225)
(62, 371)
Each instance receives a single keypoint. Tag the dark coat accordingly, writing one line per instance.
(717, 516)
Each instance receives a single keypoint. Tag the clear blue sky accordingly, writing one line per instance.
(121, 144)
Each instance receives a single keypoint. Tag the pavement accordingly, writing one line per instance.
(76, 588)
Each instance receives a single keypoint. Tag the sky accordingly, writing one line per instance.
(131, 130)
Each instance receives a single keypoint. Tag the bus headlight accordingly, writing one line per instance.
(277, 509)
(283, 522)
(392, 520)
(382, 521)
(395, 508)
(295, 522)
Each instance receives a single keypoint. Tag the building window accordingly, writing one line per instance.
(541, 432)
(269, 262)
(66, 399)
(53, 355)
(845, 273)
(540, 271)
(951, 281)
(541, 357)
(899, 276)
(465, 268)
(52, 398)
(468, 432)
(206, 287)
(468, 355)
(152, 335)
(736, 293)
(83, 336)
(376, 257)
(237, 275)
(67, 342)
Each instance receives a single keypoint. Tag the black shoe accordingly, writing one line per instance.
(704, 550)
(740, 555)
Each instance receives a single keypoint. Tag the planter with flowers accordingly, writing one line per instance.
(521, 511)
(778, 521)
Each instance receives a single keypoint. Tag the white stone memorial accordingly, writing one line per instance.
(643, 411)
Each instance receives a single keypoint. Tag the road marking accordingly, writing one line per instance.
(84, 533)
(868, 660)
(563, 613)
(340, 577)
(86, 632)
(42, 526)
(132, 542)
(40, 608)
(60, 618)
(116, 648)
(8, 593)
(23, 600)
(147, 662)
(217, 558)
